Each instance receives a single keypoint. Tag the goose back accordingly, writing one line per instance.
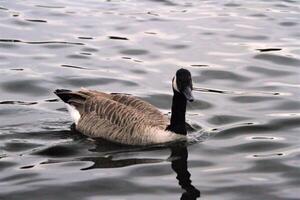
(140, 107)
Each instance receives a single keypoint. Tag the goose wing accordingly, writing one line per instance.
(147, 109)
(111, 120)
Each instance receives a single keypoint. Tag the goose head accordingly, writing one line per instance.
(182, 84)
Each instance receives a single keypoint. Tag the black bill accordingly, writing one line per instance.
(188, 94)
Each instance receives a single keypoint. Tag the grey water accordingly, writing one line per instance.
(244, 57)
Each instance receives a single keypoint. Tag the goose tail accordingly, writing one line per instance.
(63, 94)
(74, 102)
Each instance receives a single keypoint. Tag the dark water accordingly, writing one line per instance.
(244, 57)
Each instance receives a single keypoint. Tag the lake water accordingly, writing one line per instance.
(244, 57)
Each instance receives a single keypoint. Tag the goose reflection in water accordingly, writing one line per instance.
(178, 157)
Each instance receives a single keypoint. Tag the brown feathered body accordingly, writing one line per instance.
(118, 118)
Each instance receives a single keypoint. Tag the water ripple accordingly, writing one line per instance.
(273, 125)
(43, 42)
(279, 59)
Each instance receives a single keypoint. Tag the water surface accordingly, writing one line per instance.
(244, 58)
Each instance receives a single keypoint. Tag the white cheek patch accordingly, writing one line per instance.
(74, 113)
(174, 84)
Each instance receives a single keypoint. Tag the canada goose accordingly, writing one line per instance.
(126, 119)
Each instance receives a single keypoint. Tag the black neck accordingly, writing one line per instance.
(178, 114)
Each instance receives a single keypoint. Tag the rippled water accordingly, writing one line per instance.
(244, 57)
